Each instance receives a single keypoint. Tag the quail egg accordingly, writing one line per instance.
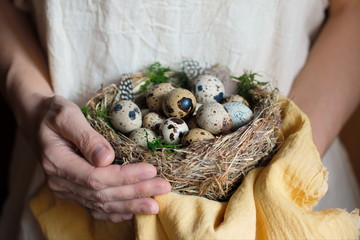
(208, 89)
(214, 118)
(142, 136)
(196, 134)
(179, 103)
(125, 116)
(236, 98)
(156, 94)
(240, 114)
(152, 120)
(173, 129)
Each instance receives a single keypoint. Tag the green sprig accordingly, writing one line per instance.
(85, 111)
(248, 82)
(102, 113)
(157, 144)
(156, 74)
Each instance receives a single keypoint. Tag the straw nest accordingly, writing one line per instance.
(212, 168)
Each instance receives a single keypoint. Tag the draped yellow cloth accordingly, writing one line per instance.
(273, 202)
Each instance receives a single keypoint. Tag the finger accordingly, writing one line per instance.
(116, 175)
(61, 161)
(69, 121)
(134, 206)
(113, 217)
(144, 189)
(149, 188)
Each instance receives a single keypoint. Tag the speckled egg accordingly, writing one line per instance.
(125, 116)
(208, 89)
(173, 129)
(236, 98)
(214, 118)
(179, 103)
(156, 94)
(141, 136)
(240, 114)
(196, 134)
(152, 120)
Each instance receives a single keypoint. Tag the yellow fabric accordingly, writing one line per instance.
(273, 202)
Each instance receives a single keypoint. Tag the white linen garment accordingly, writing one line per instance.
(93, 42)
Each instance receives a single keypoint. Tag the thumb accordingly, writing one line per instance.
(75, 128)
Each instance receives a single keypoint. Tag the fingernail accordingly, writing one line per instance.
(146, 209)
(99, 153)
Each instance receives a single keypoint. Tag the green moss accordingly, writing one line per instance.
(156, 74)
(248, 82)
(158, 144)
(102, 113)
(85, 111)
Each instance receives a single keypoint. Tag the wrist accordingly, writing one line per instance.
(26, 93)
(30, 113)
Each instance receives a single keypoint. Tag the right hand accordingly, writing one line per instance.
(77, 163)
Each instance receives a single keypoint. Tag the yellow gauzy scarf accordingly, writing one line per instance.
(273, 202)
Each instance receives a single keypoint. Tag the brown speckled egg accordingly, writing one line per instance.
(152, 120)
(141, 136)
(179, 103)
(214, 118)
(156, 94)
(236, 98)
(196, 134)
(173, 129)
(125, 116)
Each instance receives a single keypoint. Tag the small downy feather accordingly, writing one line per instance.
(191, 68)
(126, 88)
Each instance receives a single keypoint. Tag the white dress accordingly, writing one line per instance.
(89, 43)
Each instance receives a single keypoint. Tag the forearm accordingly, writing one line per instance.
(24, 73)
(328, 87)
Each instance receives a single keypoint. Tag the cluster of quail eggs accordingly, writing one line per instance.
(181, 116)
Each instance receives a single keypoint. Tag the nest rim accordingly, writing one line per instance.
(209, 168)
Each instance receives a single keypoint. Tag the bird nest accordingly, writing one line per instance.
(211, 168)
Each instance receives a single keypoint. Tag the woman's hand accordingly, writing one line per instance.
(75, 158)
(77, 163)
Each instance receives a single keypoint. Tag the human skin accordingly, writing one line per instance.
(58, 130)
(328, 87)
